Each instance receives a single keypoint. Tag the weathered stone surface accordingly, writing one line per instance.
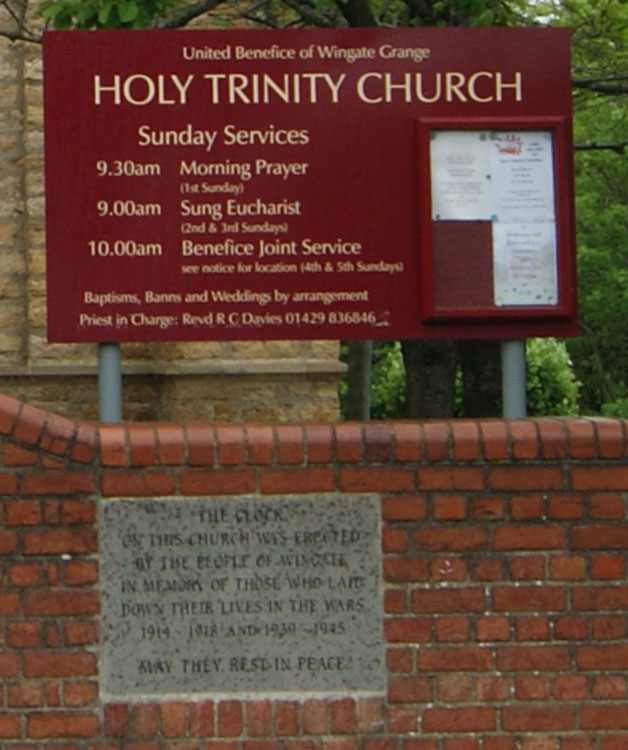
(251, 595)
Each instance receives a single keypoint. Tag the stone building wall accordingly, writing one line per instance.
(213, 380)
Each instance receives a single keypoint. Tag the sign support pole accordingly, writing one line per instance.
(109, 383)
(514, 379)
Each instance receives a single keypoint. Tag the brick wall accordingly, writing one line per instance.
(504, 565)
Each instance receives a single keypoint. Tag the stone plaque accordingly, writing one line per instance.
(241, 595)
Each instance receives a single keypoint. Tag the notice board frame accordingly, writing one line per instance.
(435, 313)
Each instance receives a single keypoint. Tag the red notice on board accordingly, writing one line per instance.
(227, 185)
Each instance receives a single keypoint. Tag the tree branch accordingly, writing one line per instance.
(183, 16)
(601, 87)
(618, 148)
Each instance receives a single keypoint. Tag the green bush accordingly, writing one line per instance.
(551, 386)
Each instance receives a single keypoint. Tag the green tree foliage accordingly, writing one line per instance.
(104, 14)
(551, 386)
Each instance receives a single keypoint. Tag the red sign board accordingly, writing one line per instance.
(407, 183)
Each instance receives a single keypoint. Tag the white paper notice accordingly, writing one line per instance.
(524, 263)
(522, 176)
(459, 161)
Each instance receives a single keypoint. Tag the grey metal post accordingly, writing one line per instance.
(514, 379)
(109, 383)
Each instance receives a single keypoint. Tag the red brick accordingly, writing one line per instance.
(532, 687)
(448, 600)
(173, 718)
(8, 484)
(608, 567)
(491, 689)
(57, 483)
(532, 628)
(529, 537)
(59, 663)
(600, 597)
(284, 481)
(315, 718)
(399, 660)
(405, 569)
(401, 719)
(144, 720)
(116, 720)
(9, 664)
(289, 444)
(84, 446)
(467, 719)
(570, 628)
(9, 603)
(9, 410)
(59, 541)
(449, 507)
(407, 630)
(609, 687)
(8, 542)
(525, 478)
(450, 478)
(80, 693)
(448, 569)
(581, 438)
(29, 424)
(524, 440)
(201, 719)
(551, 438)
(318, 443)
(533, 658)
(201, 445)
(599, 537)
(25, 695)
(170, 445)
(348, 442)
(404, 508)
(142, 445)
(492, 628)
(608, 506)
(343, 716)
(487, 508)
(395, 601)
(23, 512)
(527, 568)
(77, 512)
(459, 539)
(258, 718)
(570, 687)
(80, 572)
(526, 507)
(565, 507)
(229, 718)
(370, 715)
(287, 718)
(61, 724)
(567, 567)
(80, 632)
(52, 602)
(499, 743)
(465, 441)
(528, 598)
(140, 483)
(9, 725)
(417, 744)
(455, 688)
(545, 718)
(487, 569)
(24, 634)
(437, 440)
(409, 689)
(577, 743)
(494, 440)
(603, 717)
(604, 657)
(607, 627)
(599, 478)
(378, 442)
(218, 482)
(610, 438)
(260, 444)
(443, 659)
(25, 574)
(452, 629)
(394, 540)
(373, 479)
(408, 441)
